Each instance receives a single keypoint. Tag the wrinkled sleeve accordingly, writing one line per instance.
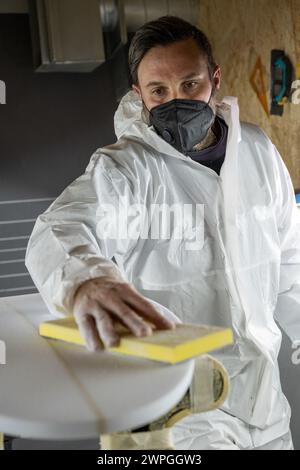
(287, 311)
(67, 246)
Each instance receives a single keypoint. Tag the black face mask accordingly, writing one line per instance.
(182, 123)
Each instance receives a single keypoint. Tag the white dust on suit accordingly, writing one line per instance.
(246, 274)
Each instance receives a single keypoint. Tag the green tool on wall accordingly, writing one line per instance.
(282, 75)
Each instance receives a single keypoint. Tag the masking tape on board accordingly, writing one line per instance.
(160, 439)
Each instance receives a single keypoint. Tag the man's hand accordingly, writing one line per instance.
(99, 302)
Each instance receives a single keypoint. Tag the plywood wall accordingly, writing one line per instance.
(242, 30)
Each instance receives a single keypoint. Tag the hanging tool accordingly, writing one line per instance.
(282, 74)
(257, 80)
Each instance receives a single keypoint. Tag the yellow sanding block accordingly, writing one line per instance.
(183, 342)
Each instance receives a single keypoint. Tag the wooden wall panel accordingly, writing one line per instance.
(240, 30)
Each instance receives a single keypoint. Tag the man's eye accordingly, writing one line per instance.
(191, 84)
(158, 91)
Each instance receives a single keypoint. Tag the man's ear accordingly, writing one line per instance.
(137, 90)
(217, 77)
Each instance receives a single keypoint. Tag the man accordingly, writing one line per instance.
(178, 146)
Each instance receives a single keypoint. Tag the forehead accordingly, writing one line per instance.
(172, 61)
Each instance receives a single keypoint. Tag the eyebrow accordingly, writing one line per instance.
(186, 77)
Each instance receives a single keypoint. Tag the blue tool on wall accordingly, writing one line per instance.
(282, 74)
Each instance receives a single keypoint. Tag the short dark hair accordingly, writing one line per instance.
(161, 32)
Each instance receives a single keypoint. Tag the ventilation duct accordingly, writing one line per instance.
(79, 35)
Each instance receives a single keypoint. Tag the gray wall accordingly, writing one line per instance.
(49, 128)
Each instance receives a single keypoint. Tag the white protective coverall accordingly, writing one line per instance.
(245, 276)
